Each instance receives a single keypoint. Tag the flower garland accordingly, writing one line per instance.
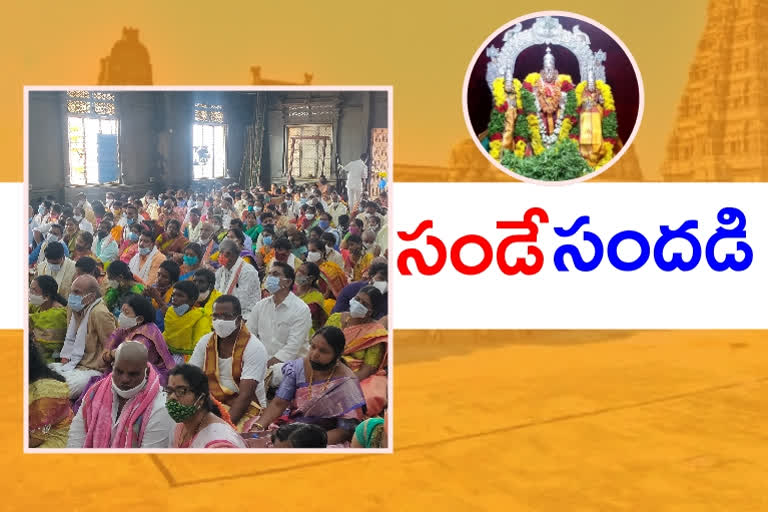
(224, 412)
(533, 126)
(498, 118)
(520, 149)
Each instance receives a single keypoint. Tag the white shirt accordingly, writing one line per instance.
(284, 329)
(335, 256)
(86, 226)
(156, 435)
(63, 277)
(356, 173)
(248, 287)
(337, 211)
(254, 365)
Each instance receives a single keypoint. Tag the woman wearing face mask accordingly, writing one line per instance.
(185, 323)
(129, 247)
(201, 422)
(47, 316)
(307, 277)
(333, 277)
(121, 282)
(366, 346)
(193, 261)
(318, 389)
(136, 323)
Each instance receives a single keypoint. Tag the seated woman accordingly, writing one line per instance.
(318, 389)
(200, 422)
(185, 324)
(209, 244)
(307, 276)
(333, 277)
(366, 348)
(83, 244)
(160, 293)
(137, 323)
(50, 412)
(129, 247)
(299, 243)
(372, 433)
(71, 232)
(171, 242)
(121, 282)
(193, 261)
(252, 228)
(47, 316)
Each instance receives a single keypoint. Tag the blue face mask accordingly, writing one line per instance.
(181, 310)
(273, 284)
(75, 302)
(133, 236)
(250, 208)
(324, 224)
(160, 203)
(191, 260)
(130, 221)
(41, 210)
(267, 240)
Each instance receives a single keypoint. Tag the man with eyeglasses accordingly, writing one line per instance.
(234, 360)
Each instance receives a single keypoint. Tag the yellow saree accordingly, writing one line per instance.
(50, 413)
(50, 328)
(183, 332)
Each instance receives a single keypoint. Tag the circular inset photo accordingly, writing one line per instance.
(553, 97)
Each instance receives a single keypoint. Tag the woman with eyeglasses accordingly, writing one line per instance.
(201, 422)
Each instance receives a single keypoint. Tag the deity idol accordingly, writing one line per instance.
(591, 120)
(549, 96)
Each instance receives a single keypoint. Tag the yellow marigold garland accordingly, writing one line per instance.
(520, 149)
(495, 149)
(564, 78)
(579, 91)
(605, 91)
(565, 129)
(532, 78)
(500, 94)
(607, 151)
(533, 126)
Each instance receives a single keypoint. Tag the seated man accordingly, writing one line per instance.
(59, 267)
(104, 247)
(145, 264)
(235, 362)
(281, 321)
(125, 409)
(377, 276)
(236, 277)
(55, 235)
(89, 325)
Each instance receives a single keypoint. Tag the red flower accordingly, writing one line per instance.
(606, 113)
(610, 139)
(528, 86)
(566, 86)
(503, 107)
(496, 136)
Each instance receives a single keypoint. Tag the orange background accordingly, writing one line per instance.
(534, 420)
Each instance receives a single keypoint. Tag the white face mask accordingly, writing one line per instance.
(53, 238)
(36, 300)
(126, 322)
(313, 256)
(224, 328)
(131, 392)
(78, 218)
(113, 283)
(380, 285)
(310, 216)
(356, 309)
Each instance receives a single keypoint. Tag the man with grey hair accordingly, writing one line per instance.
(237, 277)
(89, 325)
(125, 409)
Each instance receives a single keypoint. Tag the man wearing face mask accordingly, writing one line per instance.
(58, 266)
(83, 223)
(337, 208)
(281, 321)
(194, 227)
(205, 280)
(377, 276)
(125, 409)
(55, 235)
(237, 277)
(89, 325)
(104, 246)
(235, 362)
(146, 262)
(131, 217)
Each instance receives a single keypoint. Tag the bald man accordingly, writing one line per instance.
(89, 325)
(125, 409)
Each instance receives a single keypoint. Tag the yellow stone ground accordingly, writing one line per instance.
(561, 421)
